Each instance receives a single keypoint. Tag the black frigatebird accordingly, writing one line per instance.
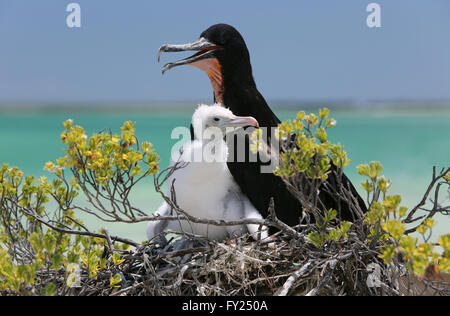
(222, 53)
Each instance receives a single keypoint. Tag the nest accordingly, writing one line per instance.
(280, 265)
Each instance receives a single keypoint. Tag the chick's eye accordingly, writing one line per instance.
(216, 119)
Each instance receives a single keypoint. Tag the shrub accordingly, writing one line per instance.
(45, 249)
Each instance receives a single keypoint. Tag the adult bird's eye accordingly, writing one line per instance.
(216, 119)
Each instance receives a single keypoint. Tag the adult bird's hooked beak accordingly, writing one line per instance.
(205, 59)
(205, 51)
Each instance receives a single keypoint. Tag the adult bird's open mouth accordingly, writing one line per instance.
(205, 55)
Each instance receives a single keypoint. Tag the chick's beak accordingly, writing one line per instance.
(243, 121)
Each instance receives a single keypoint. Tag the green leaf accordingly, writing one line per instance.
(383, 184)
(363, 170)
(311, 119)
(402, 211)
(394, 227)
(115, 280)
(330, 123)
(334, 235)
(49, 243)
(316, 239)
(422, 229)
(330, 215)
(388, 253)
(49, 290)
(323, 113)
(345, 227)
(300, 115)
(116, 259)
(367, 185)
(444, 241)
(375, 169)
(321, 134)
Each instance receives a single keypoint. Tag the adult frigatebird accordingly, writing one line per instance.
(222, 53)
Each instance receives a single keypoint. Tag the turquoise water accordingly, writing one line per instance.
(407, 144)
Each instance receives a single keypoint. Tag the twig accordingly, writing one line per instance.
(304, 270)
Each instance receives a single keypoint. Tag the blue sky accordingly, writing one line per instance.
(301, 50)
